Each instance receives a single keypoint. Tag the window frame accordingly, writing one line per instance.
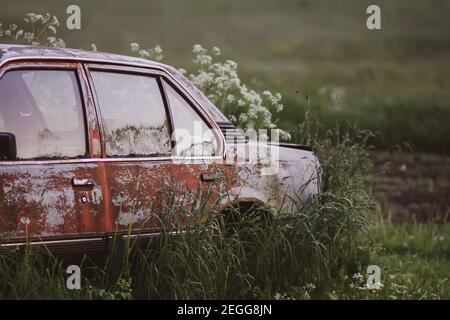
(160, 75)
(75, 67)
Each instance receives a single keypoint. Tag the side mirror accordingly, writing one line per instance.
(8, 149)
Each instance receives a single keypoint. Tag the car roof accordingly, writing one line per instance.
(12, 51)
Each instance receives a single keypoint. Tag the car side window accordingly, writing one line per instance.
(191, 134)
(133, 113)
(44, 110)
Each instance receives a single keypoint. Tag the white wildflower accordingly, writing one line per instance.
(29, 36)
(30, 18)
(358, 277)
(134, 47)
(144, 53)
(232, 118)
(197, 49)
(285, 135)
(230, 98)
(157, 49)
(19, 34)
(55, 21)
(52, 29)
(216, 51)
(378, 285)
(243, 117)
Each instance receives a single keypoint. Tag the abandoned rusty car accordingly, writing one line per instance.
(88, 149)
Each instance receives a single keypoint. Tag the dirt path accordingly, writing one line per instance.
(412, 186)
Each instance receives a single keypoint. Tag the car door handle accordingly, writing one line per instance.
(82, 182)
(209, 176)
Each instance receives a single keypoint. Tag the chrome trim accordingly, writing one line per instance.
(108, 236)
(151, 234)
(38, 242)
(82, 182)
(95, 160)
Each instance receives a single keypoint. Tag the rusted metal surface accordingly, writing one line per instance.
(96, 195)
(40, 200)
(295, 179)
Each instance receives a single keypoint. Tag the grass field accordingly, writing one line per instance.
(413, 258)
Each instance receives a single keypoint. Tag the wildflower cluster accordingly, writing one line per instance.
(42, 30)
(155, 53)
(220, 82)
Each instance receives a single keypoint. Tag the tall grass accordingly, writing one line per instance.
(251, 258)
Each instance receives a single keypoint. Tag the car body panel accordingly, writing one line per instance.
(38, 198)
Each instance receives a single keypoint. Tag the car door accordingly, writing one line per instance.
(54, 187)
(197, 156)
(150, 186)
(135, 141)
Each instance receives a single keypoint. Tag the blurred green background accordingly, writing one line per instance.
(317, 53)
